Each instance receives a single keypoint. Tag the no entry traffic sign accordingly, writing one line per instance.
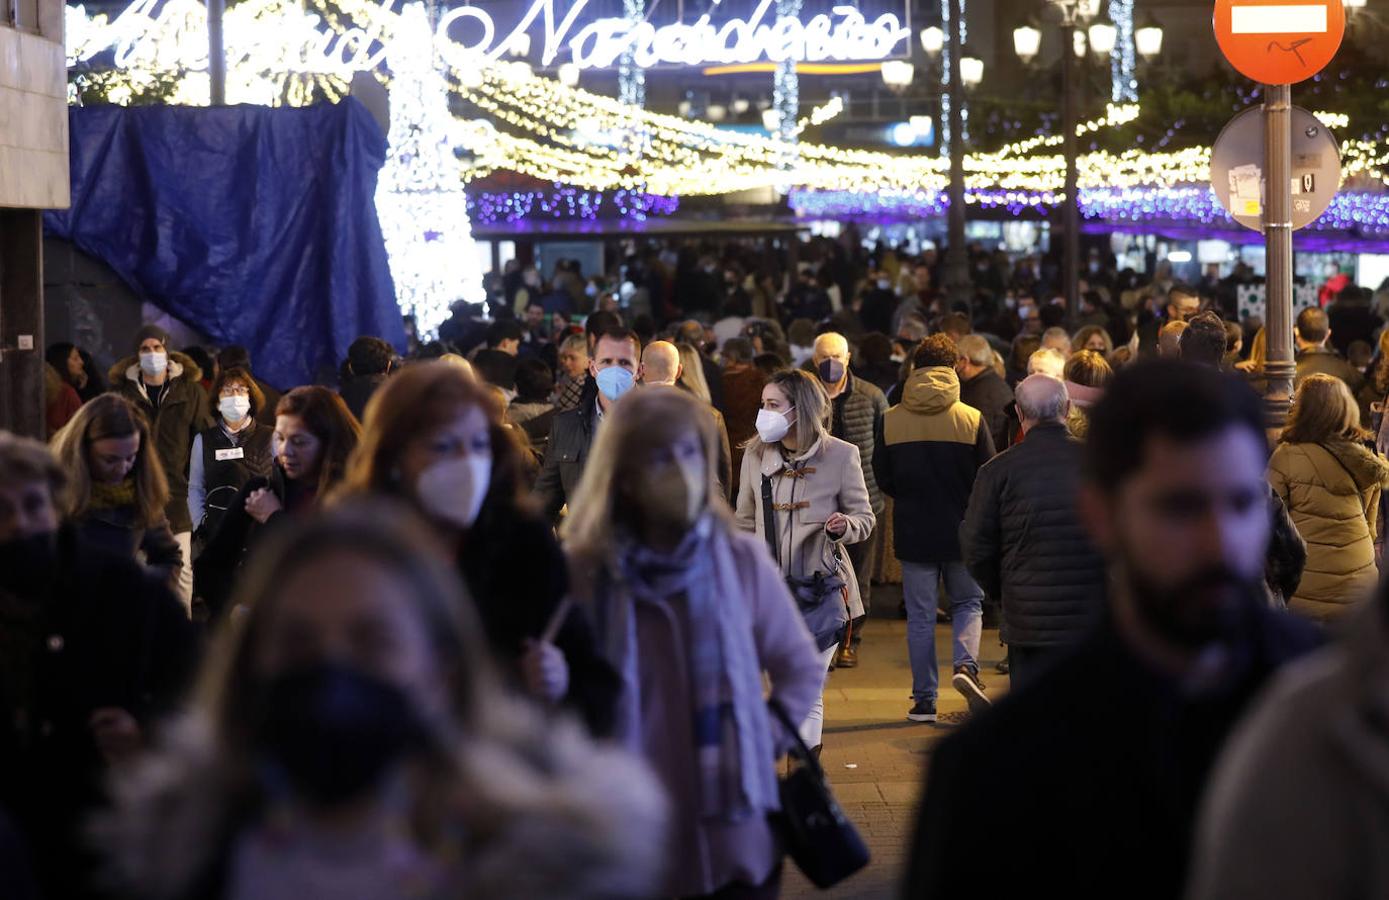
(1279, 41)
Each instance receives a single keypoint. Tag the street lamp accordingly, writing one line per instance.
(971, 71)
(1027, 42)
(1147, 40)
(898, 74)
(932, 40)
(1102, 38)
(568, 74)
(716, 112)
(1076, 26)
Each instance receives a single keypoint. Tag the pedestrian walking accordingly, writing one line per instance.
(117, 493)
(802, 492)
(352, 742)
(1331, 485)
(930, 448)
(166, 387)
(434, 438)
(230, 453)
(314, 435)
(692, 612)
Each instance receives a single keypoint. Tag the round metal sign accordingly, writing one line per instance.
(1237, 168)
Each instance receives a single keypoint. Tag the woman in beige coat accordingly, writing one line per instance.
(812, 485)
(1330, 483)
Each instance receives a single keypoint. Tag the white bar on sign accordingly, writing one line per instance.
(1278, 19)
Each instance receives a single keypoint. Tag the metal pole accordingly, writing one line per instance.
(216, 54)
(958, 288)
(1278, 243)
(1070, 218)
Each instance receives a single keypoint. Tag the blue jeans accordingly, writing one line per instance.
(919, 586)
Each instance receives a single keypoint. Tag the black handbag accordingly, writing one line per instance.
(820, 839)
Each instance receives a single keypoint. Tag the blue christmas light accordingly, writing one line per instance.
(567, 203)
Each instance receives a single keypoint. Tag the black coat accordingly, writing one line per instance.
(101, 632)
(928, 450)
(115, 531)
(183, 411)
(517, 576)
(857, 415)
(218, 566)
(992, 396)
(1100, 764)
(1024, 543)
(566, 452)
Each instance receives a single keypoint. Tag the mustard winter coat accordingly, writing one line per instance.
(1332, 493)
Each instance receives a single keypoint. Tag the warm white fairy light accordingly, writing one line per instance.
(419, 198)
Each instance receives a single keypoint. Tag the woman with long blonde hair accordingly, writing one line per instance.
(692, 376)
(691, 612)
(1331, 485)
(435, 438)
(116, 486)
(802, 492)
(350, 740)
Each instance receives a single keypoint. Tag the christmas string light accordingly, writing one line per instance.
(565, 202)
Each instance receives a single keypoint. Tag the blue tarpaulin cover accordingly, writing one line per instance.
(256, 226)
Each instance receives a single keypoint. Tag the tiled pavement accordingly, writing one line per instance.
(874, 757)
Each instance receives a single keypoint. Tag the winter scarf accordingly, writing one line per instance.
(730, 728)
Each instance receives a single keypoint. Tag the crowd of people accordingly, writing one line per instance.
(517, 613)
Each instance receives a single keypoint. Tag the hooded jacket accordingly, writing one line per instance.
(1332, 493)
(929, 448)
(183, 412)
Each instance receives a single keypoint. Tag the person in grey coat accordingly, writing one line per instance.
(802, 492)
(1023, 539)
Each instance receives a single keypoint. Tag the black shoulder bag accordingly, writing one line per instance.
(820, 839)
(821, 597)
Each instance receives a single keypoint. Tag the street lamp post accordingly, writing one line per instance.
(1100, 38)
(961, 73)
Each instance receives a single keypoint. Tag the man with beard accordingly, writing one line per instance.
(1098, 766)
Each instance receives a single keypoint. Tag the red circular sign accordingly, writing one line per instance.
(1279, 41)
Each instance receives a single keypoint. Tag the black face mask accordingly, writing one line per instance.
(29, 565)
(333, 731)
(831, 371)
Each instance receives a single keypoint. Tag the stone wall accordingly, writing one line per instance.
(33, 110)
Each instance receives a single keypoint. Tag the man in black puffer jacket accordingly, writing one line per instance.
(1023, 540)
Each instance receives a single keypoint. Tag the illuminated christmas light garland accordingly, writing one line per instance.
(565, 202)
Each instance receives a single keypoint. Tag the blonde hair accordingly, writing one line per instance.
(812, 406)
(110, 416)
(1323, 410)
(650, 417)
(1258, 350)
(693, 375)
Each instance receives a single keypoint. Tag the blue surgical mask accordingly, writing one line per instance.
(614, 381)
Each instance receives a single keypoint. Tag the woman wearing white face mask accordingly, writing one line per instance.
(228, 454)
(803, 492)
(434, 436)
(691, 612)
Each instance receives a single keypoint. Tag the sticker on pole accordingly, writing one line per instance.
(1279, 41)
(1237, 168)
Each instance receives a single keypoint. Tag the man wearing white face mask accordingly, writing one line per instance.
(166, 387)
(613, 367)
(660, 365)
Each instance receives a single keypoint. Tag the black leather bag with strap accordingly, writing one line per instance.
(821, 597)
(820, 839)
